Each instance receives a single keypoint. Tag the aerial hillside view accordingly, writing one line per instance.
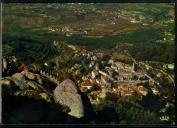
(94, 63)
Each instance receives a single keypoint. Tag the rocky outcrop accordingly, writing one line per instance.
(25, 84)
(66, 97)
(68, 94)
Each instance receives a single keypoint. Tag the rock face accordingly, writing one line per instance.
(68, 94)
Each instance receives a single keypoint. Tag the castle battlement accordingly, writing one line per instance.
(50, 77)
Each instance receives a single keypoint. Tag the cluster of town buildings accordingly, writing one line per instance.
(109, 75)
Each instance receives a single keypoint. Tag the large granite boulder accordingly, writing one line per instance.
(68, 94)
(67, 86)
